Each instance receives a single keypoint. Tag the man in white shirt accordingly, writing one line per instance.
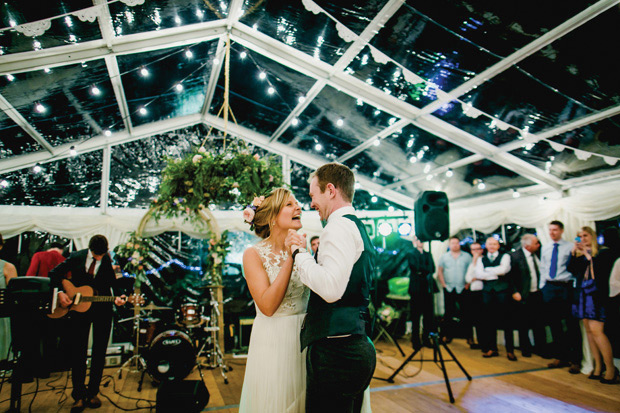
(473, 296)
(491, 269)
(341, 358)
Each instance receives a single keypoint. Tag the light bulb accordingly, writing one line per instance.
(72, 151)
(340, 122)
(144, 72)
(179, 87)
(143, 111)
(95, 91)
(295, 122)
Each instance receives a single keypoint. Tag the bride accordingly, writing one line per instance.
(275, 374)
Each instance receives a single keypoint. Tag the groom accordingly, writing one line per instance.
(341, 359)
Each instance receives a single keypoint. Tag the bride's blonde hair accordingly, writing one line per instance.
(268, 210)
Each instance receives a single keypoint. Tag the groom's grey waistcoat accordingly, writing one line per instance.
(349, 315)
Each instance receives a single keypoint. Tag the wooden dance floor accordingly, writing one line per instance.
(498, 385)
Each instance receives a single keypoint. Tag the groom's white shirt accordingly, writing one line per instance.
(340, 247)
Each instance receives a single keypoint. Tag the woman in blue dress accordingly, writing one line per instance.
(591, 266)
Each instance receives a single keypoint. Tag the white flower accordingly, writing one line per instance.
(135, 255)
(248, 215)
(217, 261)
(196, 158)
(202, 149)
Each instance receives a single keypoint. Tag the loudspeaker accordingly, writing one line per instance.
(432, 218)
(181, 396)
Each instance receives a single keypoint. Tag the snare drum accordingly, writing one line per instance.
(189, 314)
(171, 356)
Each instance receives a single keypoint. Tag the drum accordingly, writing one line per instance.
(189, 314)
(148, 329)
(171, 356)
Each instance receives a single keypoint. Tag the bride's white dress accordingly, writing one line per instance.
(275, 372)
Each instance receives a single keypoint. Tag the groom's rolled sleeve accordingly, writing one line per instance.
(340, 247)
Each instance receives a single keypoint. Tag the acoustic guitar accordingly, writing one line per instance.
(82, 298)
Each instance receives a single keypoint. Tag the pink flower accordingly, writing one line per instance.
(258, 200)
(196, 158)
(248, 215)
(270, 178)
(256, 156)
(202, 149)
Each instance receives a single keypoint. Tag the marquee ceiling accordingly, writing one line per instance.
(467, 97)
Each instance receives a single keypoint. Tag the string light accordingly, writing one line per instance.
(200, 13)
(95, 91)
(12, 23)
(302, 99)
(481, 185)
(107, 132)
(374, 199)
(515, 193)
(143, 111)
(177, 19)
(216, 61)
(39, 108)
(413, 159)
(271, 90)
(377, 142)
(68, 21)
(340, 122)
(449, 173)
(318, 147)
(179, 87)
(429, 177)
(357, 185)
(262, 76)
(10, 77)
(47, 70)
(295, 122)
(72, 151)
(243, 55)
(189, 54)
(36, 168)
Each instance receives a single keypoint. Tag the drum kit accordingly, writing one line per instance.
(170, 351)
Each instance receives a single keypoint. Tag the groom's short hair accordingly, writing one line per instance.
(338, 175)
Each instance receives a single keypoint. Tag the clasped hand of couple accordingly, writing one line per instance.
(293, 238)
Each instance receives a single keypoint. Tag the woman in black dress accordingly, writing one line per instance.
(591, 266)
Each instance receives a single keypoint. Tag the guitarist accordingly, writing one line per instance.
(92, 267)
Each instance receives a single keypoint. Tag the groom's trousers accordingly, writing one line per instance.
(338, 372)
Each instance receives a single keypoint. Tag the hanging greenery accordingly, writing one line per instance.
(231, 176)
(134, 252)
(222, 177)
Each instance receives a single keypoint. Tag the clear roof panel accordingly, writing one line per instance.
(289, 22)
(428, 50)
(493, 176)
(262, 92)
(500, 27)
(596, 138)
(372, 166)
(62, 104)
(355, 14)
(164, 14)
(63, 31)
(135, 172)
(151, 81)
(578, 65)
(14, 140)
(71, 182)
(337, 122)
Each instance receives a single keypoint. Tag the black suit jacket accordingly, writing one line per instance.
(422, 268)
(75, 267)
(519, 276)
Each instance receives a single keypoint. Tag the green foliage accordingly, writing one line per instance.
(217, 254)
(234, 176)
(134, 251)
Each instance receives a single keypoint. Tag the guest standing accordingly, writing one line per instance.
(44, 261)
(473, 296)
(422, 287)
(527, 306)
(7, 271)
(492, 270)
(558, 291)
(591, 266)
(451, 275)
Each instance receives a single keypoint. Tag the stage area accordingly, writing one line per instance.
(498, 385)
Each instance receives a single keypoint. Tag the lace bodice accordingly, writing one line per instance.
(296, 298)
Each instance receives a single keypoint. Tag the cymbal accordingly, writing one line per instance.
(152, 306)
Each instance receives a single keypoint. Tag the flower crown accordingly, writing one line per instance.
(250, 211)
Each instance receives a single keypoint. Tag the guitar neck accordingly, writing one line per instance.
(98, 299)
